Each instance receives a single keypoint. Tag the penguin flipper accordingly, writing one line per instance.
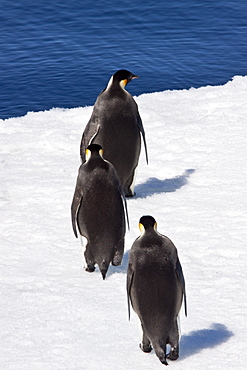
(141, 128)
(89, 134)
(75, 206)
(119, 185)
(130, 276)
(180, 276)
(126, 211)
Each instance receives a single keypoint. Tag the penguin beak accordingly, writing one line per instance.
(134, 76)
(124, 82)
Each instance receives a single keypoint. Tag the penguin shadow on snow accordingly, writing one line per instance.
(198, 340)
(156, 186)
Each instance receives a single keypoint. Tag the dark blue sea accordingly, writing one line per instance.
(61, 53)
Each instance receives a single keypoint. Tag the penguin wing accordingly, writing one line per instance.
(180, 276)
(75, 206)
(140, 126)
(130, 276)
(125, 204)
(119, 185)
(125, 208)
(89, 134)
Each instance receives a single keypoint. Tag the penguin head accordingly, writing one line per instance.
(121, 78)
(94, 150)
(147, 223)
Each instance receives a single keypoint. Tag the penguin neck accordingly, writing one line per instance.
(148, 232)
(115, 84)
(91, 155)
(96, 161)
(109, 83)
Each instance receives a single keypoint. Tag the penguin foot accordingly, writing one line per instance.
(145, 348)
(173, 355)
(164, 362)
(115, 262)
(90, 268)
(161, 354)
(117, 259)
(130, 195)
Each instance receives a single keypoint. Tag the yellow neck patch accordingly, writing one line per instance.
(88, 154)
(123, 83)
(142, 229)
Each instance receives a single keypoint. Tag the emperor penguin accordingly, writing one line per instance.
(116, 125)
(98, 210)
(155, 288)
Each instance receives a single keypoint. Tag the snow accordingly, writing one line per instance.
(54, 315)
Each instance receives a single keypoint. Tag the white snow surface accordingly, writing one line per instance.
(54, 315)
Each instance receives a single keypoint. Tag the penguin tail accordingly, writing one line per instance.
(103, 269)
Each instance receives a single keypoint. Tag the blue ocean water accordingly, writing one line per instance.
(62, 53)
